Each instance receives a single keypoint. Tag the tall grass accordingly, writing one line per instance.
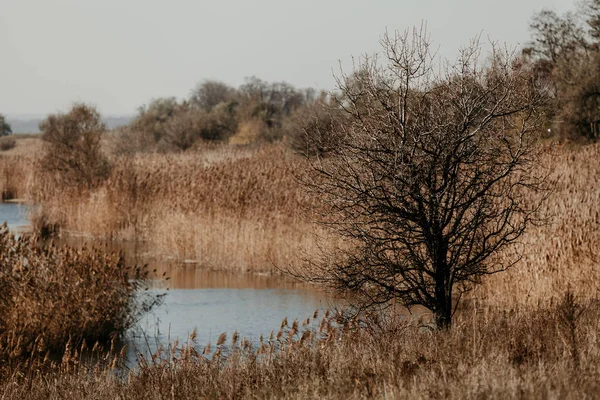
(16, 176)
(223, 207)
(53, 298)
(521, 353)
(564, 253)
(530, 332)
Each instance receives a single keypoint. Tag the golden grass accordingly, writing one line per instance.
(524, 353)
(566, 251)
(224, 207)
(16, 176)
(240, 208)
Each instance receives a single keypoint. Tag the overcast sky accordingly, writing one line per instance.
(118, 54)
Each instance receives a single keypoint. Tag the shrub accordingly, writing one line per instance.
(7, 144)
(5, 128)
(72, 147)
(314, 130)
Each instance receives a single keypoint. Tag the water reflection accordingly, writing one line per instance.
(252, 312)
(213, 302)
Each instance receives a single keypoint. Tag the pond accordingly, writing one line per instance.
(15, 215)
(211, 302)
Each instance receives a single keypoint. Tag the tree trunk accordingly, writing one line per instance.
(443, 291)
(443, 310)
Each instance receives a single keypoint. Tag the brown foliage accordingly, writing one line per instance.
(51, 296)
(73, 154)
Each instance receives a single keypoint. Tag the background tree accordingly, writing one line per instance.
(590, 9)
(5, 128)
(431, 175)
(209, 93)
(73, 152)
(564, 53)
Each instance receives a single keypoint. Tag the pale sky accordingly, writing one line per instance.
(119, 54)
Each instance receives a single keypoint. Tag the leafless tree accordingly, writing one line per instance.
(431, 176)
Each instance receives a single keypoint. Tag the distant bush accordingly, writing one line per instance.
(166, 125)
(7, 144)
(73, 152)
(215, 112)
(189, 125)
(314, 130)
(210, 93)
(5, 128)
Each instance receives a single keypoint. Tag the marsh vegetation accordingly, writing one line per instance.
(465, 239)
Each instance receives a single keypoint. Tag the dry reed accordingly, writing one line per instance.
(224, 207)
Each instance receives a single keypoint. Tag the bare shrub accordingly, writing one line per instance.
(51, 296)
(7, 144)
(73, 152)
(314, 130)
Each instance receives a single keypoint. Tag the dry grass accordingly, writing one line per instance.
(16, 176)
(240, 208)
(53, 298)
(565, 252)
(521, 334)
(25, 145)
(223, 207)
(18, 166)
(521, 353)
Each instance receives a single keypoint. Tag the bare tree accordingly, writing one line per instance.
(590, 10)
(431, 175)
(556, 37)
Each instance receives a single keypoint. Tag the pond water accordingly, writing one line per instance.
(15, 215)
(211, 302)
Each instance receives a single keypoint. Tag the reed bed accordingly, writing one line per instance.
(223, 207)
(241, 208)
(17, 173)
(540, 352)
(565, 252)
(530, 332)
(53, 299)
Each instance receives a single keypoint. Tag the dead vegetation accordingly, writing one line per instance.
(529, 332)
(227, 208)
(513, 353)
(54, 299)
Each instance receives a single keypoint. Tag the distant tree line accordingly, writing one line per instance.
(565, 51)
(216, 112)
